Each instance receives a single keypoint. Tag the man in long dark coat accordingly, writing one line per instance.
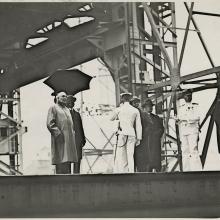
(63, 145)
(79, 132)
(148, 153)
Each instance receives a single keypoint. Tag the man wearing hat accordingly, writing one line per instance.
(129, 135)
(63, 145)
(188, 120)
(79, 131)
(148, 154)
(135, 102)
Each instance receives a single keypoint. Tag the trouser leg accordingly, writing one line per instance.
(195, 162)
(185, 152)
(76, 167)
(130, 153)
(120, 156)
(63, 168)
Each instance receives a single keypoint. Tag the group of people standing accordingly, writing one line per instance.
(67, 134)
(138, 137)
(138, 147)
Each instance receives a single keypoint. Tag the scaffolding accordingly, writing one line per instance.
(137, 42)
(147, 65)
(11, 133)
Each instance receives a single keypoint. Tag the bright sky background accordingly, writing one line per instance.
(36, 98)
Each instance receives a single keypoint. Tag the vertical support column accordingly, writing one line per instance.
(11, 114)
(20, 150)
(117, 87)
(143, 65)
(136, 48)
(128, 44)
(176, 74)
(156, 59)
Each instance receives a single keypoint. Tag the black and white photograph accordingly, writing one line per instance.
(109, 109)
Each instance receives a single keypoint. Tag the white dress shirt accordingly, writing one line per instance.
(129, 119)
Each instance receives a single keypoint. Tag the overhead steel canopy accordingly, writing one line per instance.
(18, 21)
(64, 46)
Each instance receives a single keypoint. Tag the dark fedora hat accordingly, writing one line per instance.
(135, 99)
(148, 102)
(71, 98)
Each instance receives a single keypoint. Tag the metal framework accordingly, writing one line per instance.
(136, 41)
(11, 133)
(150, 48)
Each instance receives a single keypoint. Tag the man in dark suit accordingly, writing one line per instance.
(79, 132)
(148, 153)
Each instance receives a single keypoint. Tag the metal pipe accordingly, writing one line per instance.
(205, 13)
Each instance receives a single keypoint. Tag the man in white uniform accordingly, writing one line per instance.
(129, 135)
(189, 134)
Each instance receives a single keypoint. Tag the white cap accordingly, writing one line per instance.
(61, 94)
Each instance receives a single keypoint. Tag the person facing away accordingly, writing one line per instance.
(148, 154)
(79, 132)
(129, 135)
(188, 120)
(63, 145)
(135, 102)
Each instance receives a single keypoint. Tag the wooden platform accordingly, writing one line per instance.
(195, 194)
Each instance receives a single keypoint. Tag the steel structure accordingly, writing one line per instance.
(162, 195)
(138, 44)
(136, 41)
(150, 46)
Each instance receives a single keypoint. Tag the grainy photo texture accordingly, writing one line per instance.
(109, 109)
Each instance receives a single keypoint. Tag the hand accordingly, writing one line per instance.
(177, 120)
(138, 142)
(57, 133)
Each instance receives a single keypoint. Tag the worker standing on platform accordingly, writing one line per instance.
(188, 120)
(79, 131)
(129, 135)
(60, 125)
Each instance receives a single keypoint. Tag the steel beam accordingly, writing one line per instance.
(177, 28)
(163, 22)
(207, 140)
(154, 43)
(22, 130)
(20, 20)
(157, 36)
(152, 63)
(11, 118)
(205, 13)
(45, 65)
(187, 77)
(200, 37)
(185, 36)
(124, 195)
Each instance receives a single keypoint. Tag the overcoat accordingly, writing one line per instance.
(63, 144)
(148, 153)
(79, 132)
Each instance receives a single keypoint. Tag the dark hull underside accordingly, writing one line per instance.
(194, 194)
